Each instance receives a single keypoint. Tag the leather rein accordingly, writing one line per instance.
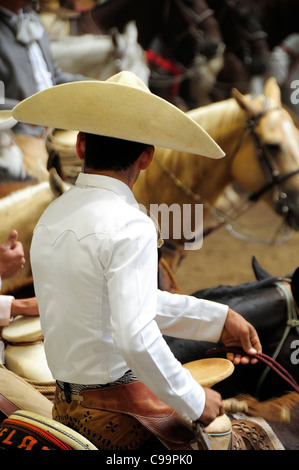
(269, 361)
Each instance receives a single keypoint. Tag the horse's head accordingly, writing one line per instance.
(242, 29)
(189, 29)
(268, 166)
(209, 39)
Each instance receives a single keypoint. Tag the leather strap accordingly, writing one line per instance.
(7, 407)
(269, 361)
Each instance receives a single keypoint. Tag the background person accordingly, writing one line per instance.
(26, 67)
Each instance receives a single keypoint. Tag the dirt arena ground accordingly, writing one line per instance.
(225, 259)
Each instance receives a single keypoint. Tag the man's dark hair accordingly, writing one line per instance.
(109, 153)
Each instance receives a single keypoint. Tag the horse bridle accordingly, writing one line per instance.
(274, 178)
(195, 20)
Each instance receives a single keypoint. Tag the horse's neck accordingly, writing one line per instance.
(224, 122)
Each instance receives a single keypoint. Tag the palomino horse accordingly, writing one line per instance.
(21, 205)
(11, 159)
(262, 156)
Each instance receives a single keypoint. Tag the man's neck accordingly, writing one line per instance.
(128, 176)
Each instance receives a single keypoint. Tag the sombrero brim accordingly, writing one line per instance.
(210, 371)
(23, 329)
(6, 120)
(28, 361)
(22, 419)
(117, 109)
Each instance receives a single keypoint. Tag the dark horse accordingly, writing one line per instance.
(279, 19)
(246, 45)
(173, 32)
(270, 306)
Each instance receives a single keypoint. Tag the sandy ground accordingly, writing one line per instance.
(225, 259)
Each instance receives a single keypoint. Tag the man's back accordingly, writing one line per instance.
(92, 228)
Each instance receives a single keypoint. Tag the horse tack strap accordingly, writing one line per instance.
(135, 399)
(7, 407)
(269, 361)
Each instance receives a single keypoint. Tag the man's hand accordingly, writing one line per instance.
(11, 256)
(26, 307)
(213, 407)
(237, 332)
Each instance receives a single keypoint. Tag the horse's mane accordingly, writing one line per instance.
(229, 292)
(212, 116)
(22, 194)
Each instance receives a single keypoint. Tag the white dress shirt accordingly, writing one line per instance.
(94, 262)
(5, 308)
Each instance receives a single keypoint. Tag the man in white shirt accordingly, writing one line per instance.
(94, 262)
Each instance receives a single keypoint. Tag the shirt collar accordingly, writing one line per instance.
(86, 180)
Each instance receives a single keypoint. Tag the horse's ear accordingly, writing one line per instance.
(260, 273)
(244, 102)
(295, 286)
(272, 90)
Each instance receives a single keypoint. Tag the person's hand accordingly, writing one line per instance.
(237, 332)
(213, 407)
(12, 258)
(27, 307)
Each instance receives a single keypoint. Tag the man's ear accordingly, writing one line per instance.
(146, 157)
(81, 145)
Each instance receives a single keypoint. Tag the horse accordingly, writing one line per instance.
(11, 159)
(269, 304)
(21, 205)
(246, 45)
(79, 47)
(260, 141)
(175, 34)
(279, 19)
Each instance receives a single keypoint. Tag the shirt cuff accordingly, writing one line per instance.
(5, 309)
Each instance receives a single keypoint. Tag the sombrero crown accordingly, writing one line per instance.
(121, 107)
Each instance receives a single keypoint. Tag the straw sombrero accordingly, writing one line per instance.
(23, 329)
(210, 371)
(121, 107)
(6, 120)
(28, 361)
(24, 430)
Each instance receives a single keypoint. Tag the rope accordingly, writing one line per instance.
(231, 226)
(269, 361)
